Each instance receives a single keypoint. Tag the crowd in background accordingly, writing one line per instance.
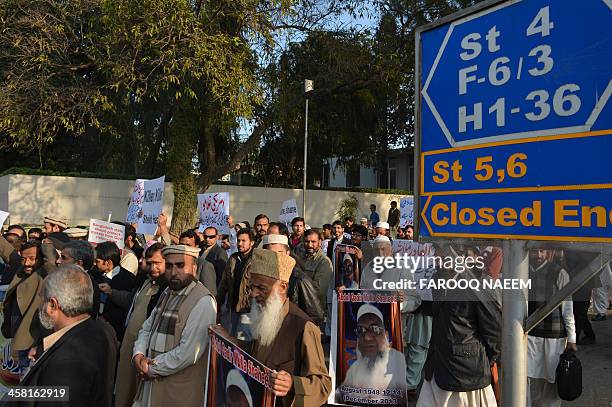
(142, 312)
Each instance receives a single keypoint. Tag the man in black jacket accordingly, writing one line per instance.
(214, 254)
(465, 341)
(110, 277)
(302, 290)
(338, 238)
(78, 355)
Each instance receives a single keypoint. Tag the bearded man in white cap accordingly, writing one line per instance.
(382, 229)
(378, 365)
(285, 339)
(349, 276)
(170, 352)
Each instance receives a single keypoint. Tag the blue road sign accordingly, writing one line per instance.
(513, 111)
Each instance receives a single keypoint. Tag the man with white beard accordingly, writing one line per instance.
(284, 338)
(378, 365)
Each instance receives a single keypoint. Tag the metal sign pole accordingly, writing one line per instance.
(514, 338)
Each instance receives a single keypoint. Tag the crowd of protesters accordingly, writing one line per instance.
(130, 327)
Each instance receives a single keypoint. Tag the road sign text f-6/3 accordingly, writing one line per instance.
(513, 99)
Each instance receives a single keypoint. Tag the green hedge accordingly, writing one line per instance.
(250, 183)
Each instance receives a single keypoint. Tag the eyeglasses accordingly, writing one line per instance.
(211, 237)
(373, 329)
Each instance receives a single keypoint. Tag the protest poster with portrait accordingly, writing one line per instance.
(346, 266)
(214, 211)
(367, 363)
(234, 377)
(406, 211)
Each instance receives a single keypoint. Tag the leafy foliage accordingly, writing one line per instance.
(151, 87)
(348, 207)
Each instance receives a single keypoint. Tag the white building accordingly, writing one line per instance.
(398, 174)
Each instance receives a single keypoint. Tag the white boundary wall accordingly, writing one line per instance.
(29, 198)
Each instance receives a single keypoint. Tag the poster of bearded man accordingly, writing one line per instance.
(367, 363)
(347, 270)
(235, 379)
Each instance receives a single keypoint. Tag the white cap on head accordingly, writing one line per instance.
(383, 225)
(76, 232)
(275, 239)
(347, 257)
(382, 239)
(234, 378)
(364, 219)
(369, 309)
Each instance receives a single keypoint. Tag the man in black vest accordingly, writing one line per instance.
(284, 338)
(551, 337)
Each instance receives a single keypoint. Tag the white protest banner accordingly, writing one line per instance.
(146, 204)
(101, 231)
(3, 216)
(152, 206)
(135, 205)
(406, 211)
(214, 210)
(288, 212)
(419, 257)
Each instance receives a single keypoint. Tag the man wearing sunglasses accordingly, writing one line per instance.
(213, 253)
(378, 365)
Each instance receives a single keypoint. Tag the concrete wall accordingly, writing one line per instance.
(29, 198)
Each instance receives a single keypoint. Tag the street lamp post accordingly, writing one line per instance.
(308, 86)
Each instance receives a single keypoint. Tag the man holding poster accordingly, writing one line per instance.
(285, 339)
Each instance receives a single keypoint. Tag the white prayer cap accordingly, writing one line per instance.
(364, 219)
(383, 225)
(76, 232)
(369, 309)
(382, 239)
(241, 225)
(347, 257)
(275, 239)
(234, 378)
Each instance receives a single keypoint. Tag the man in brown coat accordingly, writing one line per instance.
(285, 339)
(22, 299)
